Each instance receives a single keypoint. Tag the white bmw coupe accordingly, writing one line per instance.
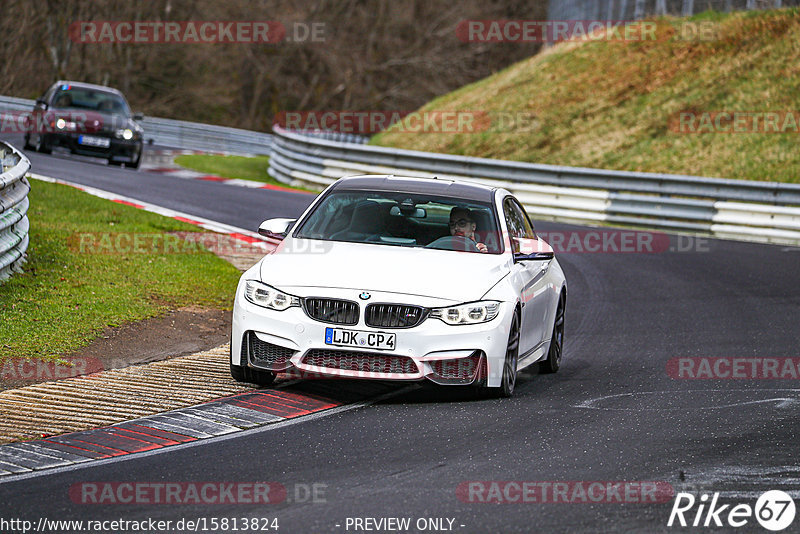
(394, 278)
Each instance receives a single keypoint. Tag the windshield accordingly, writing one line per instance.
(405, 220)
(90, 99)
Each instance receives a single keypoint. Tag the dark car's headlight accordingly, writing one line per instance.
(63, 124)
(263, 295)
(469, 313)
(126, 134)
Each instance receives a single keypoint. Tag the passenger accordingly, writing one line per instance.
(462, 224)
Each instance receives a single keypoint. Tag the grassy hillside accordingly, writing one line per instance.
(615, 105)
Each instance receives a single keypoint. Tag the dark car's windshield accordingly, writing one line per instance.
(402, 219)
(68, 97)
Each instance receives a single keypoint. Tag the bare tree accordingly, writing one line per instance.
(376, 55)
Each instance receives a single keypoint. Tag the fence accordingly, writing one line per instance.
(180, 134)
(735, 209)
(618, 10)
(14, 226)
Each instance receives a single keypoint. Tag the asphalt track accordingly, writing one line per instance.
(613, 413)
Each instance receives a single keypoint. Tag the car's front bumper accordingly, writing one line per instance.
(121, 150)
(291, 341)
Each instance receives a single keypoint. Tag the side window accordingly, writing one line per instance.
(530, 232)
(517, 222)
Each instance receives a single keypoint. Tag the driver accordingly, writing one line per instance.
(462, 224)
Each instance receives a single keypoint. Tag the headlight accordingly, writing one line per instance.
(126, 134)
(470, 313)
(268, 297)
(63, 124)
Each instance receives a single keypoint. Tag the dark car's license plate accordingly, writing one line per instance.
(90, 140)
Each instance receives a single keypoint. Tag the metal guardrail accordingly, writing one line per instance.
(616, 10)
(733, 209)
(178, 134)
(14, 224)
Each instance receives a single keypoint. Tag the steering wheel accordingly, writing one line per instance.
(454, 242)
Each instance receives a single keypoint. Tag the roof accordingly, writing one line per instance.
(83, 85)
(426, 186)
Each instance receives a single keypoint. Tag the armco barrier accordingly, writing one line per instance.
(734, 209)
(180, 134)
(14, 226)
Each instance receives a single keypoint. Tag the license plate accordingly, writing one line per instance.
(356, 338)
(102, 142)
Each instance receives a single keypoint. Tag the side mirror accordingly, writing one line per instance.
(138, 116)
(41, 103)
(531, 250)
(276, 228)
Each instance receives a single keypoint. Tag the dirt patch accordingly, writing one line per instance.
(178, 333)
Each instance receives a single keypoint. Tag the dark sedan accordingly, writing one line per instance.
(86, 119)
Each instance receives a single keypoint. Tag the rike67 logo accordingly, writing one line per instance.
(774, 510)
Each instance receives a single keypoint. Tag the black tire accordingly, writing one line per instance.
(42, 145)
(28, 145)
(114, 163)
(553, 361)
(509, 379)
(135, 164)
(252, 376)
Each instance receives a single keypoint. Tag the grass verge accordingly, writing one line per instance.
(242, 167)
(66, 297)
(614, 104)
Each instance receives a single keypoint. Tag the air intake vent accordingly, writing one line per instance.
(394, 315)
(331, 310)
(269, 355)
(364, 362)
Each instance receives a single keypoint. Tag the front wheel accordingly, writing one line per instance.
(252, 376)
(42, 145)
(553, 361)
(509, 379)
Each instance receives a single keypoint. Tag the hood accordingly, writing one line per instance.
(298, 264)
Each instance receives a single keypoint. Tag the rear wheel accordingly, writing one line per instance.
(553, 361)
(509, 378)
(252, 376)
